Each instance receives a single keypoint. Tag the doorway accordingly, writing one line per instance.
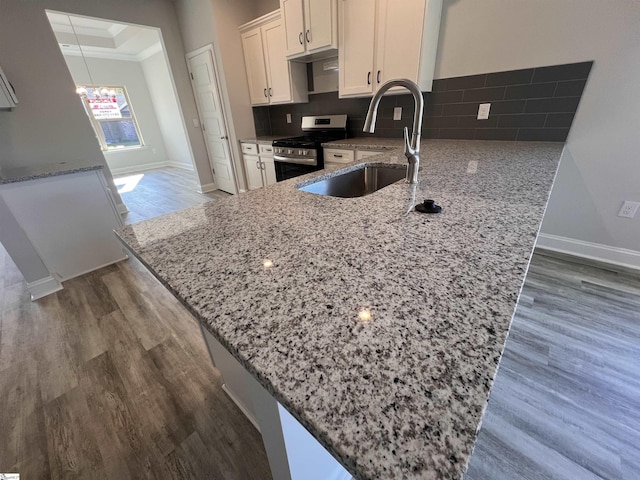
(206, 90)
(125, 84)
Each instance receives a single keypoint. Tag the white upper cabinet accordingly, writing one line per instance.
(385, 39)
(271, 78)
(311, 28)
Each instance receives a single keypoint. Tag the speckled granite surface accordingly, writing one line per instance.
(23, 174)
(400, 395)
(265, 140)
(366, 143)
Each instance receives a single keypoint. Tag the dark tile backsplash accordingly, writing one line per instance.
(535, 104)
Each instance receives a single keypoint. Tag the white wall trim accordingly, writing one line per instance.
(121, 208)
(594, 251)
(207, 187)
(43, 287)
(116, 172)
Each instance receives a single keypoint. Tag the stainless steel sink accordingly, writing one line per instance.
(358, 183)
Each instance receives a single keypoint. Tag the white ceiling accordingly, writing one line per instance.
(103, 39)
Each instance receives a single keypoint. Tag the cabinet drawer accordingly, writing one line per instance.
(266, 149)
(250, 148)
(336, 155)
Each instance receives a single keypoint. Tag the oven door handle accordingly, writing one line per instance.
(296, 160)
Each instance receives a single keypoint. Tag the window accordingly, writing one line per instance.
(111, 115)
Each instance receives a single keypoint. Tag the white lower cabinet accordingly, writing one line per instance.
(259, 165)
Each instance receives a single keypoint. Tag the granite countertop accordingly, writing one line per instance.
(366, 143)
(401, 394)
(265, 140)
(23, 174)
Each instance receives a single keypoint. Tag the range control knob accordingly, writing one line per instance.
(289, 151)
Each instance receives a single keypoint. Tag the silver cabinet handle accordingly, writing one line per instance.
(300, 38)
(265, 93)
(308, 36)
(258, 164)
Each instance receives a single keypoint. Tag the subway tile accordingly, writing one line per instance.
(457, 133)
(559, 119)
(460, 109)
(433, 110)
(441, 122)
(446, 97)
(534, 90)
(496, 134)
(562, 72)
(570, 88)
(462, 83)
(523, 120)
(543, 134)
(549, 105)
(439, 85)
(471, 121)
(507, 106)
(430, 133)
(513, 77)
(483, 94)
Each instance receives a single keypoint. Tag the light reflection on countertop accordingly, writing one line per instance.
(440, 291)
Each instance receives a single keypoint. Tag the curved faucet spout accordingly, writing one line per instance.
(411, 147)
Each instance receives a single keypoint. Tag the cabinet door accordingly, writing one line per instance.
(254, 171)
(293, 25)
(268, 171)
(399, 39)
(318, 18)
(356, 47)
(255, 64)
(276, 60)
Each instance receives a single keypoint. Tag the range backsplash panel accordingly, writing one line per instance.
(535, 104)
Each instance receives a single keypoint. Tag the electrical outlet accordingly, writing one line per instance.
(483, 111)
(288, 118)
(628, 209)
(397, 113)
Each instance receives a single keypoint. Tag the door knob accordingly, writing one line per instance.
(224, 138)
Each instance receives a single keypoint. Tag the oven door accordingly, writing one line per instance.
(287, 170)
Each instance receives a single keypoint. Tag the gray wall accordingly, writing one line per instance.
(161, 90)
(130, 75)
(600, 168)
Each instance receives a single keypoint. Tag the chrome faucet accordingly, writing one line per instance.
(411, 148)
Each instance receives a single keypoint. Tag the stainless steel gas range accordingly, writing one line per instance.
(301, 155)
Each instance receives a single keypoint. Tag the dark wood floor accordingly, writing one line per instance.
(110, 378)
(156, 192)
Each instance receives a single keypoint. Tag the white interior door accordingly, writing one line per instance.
(205, 89)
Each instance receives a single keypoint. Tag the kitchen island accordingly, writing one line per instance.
(378, 328)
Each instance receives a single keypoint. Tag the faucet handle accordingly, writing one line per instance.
(407, 143)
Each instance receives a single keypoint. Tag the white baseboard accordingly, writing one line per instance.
(180, 165)
(43, 287)
(207, 187)
(117, 172)
(594, 251)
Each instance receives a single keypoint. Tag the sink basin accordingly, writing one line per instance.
(358, 183)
